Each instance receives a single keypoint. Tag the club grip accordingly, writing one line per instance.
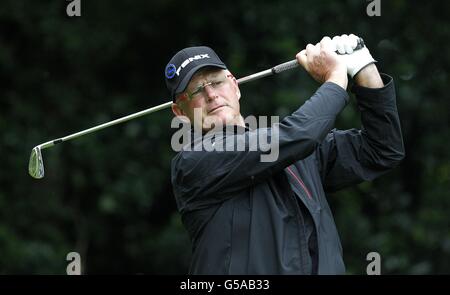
(359, 45)
(285, 66)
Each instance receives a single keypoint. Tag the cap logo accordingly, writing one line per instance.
(189, 60)
(170, 71)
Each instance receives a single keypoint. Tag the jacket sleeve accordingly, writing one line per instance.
(352, 156)
(200, 178)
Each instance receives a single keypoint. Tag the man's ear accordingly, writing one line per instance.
(238, 93)
(177, 111)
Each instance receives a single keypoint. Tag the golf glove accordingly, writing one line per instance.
(355, 60)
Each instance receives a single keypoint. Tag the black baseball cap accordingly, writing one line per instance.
(185, 64)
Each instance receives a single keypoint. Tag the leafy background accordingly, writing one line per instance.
(108, 195)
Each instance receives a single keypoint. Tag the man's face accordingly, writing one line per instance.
(215, 94)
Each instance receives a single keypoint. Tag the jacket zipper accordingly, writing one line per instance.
(300, 182)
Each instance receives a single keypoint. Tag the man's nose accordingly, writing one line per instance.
(210, 92)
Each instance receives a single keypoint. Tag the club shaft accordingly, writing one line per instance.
(255, 76)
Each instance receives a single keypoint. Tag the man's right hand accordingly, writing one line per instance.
(323, 64)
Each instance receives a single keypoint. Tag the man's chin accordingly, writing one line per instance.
(217, 121)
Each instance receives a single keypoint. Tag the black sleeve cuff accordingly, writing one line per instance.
(376, 96)
(336, 90)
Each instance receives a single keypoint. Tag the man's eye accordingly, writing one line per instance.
(216, 83)
(196, 91)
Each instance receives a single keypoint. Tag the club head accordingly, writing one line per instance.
(36, 164)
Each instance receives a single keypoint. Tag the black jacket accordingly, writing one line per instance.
(244, 215)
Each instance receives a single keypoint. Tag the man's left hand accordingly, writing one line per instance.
(360, 63)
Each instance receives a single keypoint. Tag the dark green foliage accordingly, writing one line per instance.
(108, 195)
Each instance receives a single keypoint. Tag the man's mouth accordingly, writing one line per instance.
(216, 108)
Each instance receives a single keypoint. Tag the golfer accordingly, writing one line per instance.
(247, 216)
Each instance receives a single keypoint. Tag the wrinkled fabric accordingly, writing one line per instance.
(245, 216)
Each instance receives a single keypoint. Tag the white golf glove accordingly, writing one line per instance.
(355, 60)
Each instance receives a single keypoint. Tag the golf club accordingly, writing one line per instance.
(36, 164)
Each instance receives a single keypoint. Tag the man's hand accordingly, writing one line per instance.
(355, 60)
(323, 64)
(360, 63)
